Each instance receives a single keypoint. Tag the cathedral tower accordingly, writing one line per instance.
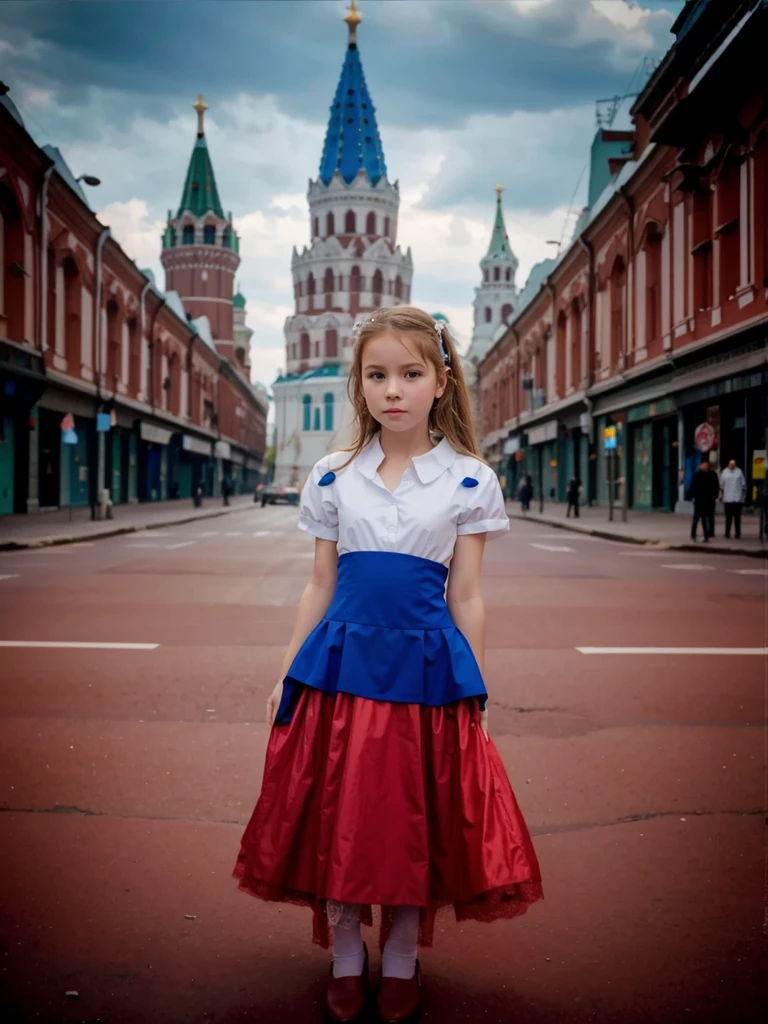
(496, 298)
(353, 265)
(200, 249)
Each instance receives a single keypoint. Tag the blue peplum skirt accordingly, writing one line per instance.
(387, 636)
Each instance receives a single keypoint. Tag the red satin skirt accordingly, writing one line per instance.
(384, 804)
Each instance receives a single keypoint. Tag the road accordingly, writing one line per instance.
(126, 776)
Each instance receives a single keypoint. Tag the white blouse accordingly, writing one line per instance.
(423, 517)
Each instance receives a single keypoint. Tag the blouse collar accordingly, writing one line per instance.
(428, 467)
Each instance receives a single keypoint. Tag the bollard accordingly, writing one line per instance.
(198, 498)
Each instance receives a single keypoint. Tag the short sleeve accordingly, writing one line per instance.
(318, 513)
(484, 510)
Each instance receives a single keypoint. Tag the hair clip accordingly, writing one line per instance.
(439, 327)
(360, 324)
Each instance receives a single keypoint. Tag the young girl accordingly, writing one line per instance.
(381, 785)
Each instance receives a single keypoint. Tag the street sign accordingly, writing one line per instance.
(705, 437)
(103, 422)
(68, 423)
(610, 440)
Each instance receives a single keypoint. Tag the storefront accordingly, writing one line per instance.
(153, 444)
(196, 467)
(653, 455)
(21, 384)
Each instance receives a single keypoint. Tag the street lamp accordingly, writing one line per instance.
(89, 179)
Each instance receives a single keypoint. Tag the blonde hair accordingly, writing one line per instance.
(451, 414)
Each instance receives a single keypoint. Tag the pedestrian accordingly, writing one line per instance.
(572, 494)
(704, 491)
(226, 489)
(523, 494)
(733, 491)
(381, 785)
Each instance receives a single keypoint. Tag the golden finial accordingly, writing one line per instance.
(353, 19)
(201, 108)
(499, 190)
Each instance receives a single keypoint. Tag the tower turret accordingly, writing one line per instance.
(496, 298)
(200, 247)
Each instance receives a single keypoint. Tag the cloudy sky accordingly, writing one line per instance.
(468, 93)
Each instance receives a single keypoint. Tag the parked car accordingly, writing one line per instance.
(271, 494)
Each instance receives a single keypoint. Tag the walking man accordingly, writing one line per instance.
(733, 491)
(705, 488)
(572, 493)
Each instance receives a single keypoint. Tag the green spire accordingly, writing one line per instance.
(238, 300)
(499, 247)
(200, 193)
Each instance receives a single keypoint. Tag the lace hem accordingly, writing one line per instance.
(503, 903)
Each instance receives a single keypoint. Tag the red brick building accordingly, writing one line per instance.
(105, 380)
(654, 320)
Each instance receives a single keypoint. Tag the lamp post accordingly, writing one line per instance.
(89, 179)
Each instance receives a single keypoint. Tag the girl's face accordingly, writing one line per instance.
(398, 385)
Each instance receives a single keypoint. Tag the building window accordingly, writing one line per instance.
(328, 410)
(728, 200)
(398, 287)
(617, 284)
(331, 343)
(575, 344)
(13, 269)
(330, 227)
(350, 222)
(317, 419)
(316, 227)
(328, 283)
(506, 312)
(560, 355)
(497, 273)
(209, 234)
(653, 290)
(355, 281)
(311, 284)
(73, 312)
(370, 223)
(188, 235)
(225, 238)
(386, 226)
(488, 314)
(114, 348)
(508, 274)
(378, 287)
(304, 346)
(306, 403)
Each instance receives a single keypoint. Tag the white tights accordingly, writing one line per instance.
(399, 959)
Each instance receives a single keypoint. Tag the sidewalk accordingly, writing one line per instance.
(67, 526)
(663, 529)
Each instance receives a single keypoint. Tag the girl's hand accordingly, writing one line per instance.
(273, 702)
(484, 724)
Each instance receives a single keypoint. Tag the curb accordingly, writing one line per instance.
(638, 541)
(115, 531)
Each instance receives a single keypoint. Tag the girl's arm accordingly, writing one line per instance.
(465, 599)
(313, 605)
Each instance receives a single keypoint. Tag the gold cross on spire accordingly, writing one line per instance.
(353, 19)
(499, 190)
(201, 108)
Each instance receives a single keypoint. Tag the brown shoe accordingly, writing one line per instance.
(346, 997)
(400, 1001)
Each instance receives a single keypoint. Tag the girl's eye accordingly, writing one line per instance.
(413, 373)
(375, 375)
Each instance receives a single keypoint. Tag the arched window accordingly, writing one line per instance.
(311, 284)
(12, 267)
(508, 274)
(225, 238)
(328, 410)
(331, 343)
(306, 404)
(575, 344)
(355, 281)
(617, 284)
(378, 287)
(316, 227)
(330, 227)
(386, 226)
(304, 346)
(560, 355)
(188, 234)
(729, 229)
(134, 357)
(52, 287)
(398, 287)
(653, 291)
(350, 222)
(209, 234)
(370, 223)
(317, 418)
(506, 312)
(488, 314)
(114, 328)
(73, 314)
(328, 283)
(497, 273)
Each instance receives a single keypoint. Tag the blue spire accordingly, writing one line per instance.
(352, 141)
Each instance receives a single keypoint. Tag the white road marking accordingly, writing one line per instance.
(163, 547)
(262, 533)
(553, 547)
(750, 572)
(10, 576)
(209, 533)
(184, 544)
(48, 550)
(674, 650)
(233, 533)
(695, 567)
(79, 646)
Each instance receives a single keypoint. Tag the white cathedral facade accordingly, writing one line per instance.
(353, 265)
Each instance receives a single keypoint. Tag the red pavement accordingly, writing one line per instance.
(126, 778)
